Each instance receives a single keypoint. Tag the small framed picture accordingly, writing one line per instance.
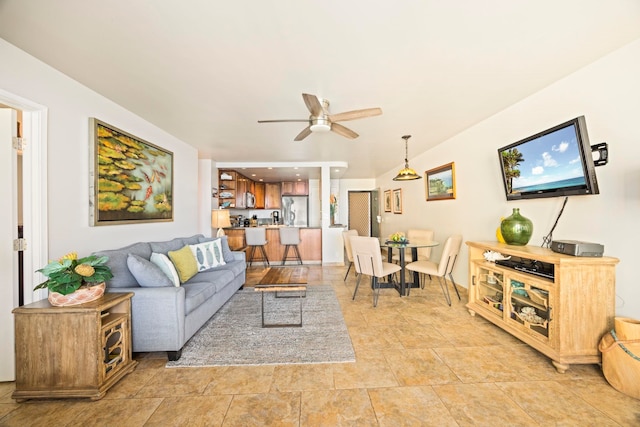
(440, 183)
(397, 201)
(387, 201)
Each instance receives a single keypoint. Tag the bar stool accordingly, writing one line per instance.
(256, 237)
(290, 237)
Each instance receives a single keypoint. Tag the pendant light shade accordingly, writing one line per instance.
(406, 174)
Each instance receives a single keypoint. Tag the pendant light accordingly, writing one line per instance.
(406, 174)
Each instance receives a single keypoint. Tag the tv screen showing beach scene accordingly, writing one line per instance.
(551, 163)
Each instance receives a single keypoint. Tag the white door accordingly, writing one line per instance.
(8, 232)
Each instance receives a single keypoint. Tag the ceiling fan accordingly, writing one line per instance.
(321, 121)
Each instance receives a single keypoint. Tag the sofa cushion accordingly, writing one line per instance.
(166, 266)
(147, 274)
(169, 245)
(224, 241)
(196, 294)
(195, 239)
(236, 267)
(208, 254)
(122, 277)
(185, 263)
(218, 278)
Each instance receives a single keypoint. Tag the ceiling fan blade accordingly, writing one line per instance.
(302, 135)
(341, 130)
(355, 114)
(313, 104)
(279, 121)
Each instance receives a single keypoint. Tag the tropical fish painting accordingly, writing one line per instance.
(133, 179)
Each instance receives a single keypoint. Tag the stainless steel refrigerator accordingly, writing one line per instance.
(295, 211)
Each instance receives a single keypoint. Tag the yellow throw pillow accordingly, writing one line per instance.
(184, 262)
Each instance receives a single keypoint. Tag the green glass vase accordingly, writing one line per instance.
(516, 229)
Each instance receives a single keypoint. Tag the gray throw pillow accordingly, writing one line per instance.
(146, 273)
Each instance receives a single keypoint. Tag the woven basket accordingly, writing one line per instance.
(621, 356)
(82, 295)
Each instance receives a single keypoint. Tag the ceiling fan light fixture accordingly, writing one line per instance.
(320, 124)
(406, 174)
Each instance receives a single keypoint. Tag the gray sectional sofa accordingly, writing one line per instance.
(165, 316)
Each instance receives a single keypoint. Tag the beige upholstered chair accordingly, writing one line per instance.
(290, 238)
(256, 237)
(368, 260)
(346, 236)
(443, 268)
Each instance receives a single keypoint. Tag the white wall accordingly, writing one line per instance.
(607, 93)
(70, 105)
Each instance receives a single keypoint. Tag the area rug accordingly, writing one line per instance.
(235, 336)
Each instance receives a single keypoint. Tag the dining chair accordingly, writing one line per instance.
(290, 238)
(346, 236)
(443, 268)
(367, 260)
(256, 237)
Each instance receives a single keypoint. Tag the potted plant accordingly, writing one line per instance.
(72, 280)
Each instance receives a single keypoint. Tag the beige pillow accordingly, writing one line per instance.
(185, 263)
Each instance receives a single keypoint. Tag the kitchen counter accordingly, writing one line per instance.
(310, 246)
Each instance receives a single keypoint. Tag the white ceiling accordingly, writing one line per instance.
(206, 70)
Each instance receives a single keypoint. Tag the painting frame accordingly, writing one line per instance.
(397, 201)
(130, 179)
(387, 200)
(440, 183)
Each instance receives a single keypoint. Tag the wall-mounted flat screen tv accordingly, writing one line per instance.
(553, 163)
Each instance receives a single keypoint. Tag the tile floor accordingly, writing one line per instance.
(418, 362)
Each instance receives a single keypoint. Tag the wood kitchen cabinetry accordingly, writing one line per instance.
(310, 246)
(242, 186)
(272, 196)
(295, 188)
(259, 192)
(72, 352)
(562, 316)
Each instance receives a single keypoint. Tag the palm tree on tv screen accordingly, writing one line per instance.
(510, 160)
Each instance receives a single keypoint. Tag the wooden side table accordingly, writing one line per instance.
(72, 352)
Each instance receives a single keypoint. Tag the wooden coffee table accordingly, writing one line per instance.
(285, 282)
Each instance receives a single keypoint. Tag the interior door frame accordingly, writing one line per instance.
(34, 191)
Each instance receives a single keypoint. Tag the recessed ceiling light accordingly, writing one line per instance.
(253, 174)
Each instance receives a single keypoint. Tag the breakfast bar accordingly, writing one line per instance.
(310, 246)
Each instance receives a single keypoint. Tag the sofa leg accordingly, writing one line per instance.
(174, 355)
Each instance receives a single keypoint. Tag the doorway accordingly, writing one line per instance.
(364, 211)
(23, 191)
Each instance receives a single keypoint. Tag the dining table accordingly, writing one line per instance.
(405, 286)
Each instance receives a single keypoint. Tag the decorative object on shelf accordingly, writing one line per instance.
(528, 314)
(219, 219)
(131, 179)
(333, 208)
(387, 200)
(493, 256)
(82, 295)
(440, 183)
(499, 233)
(406, 174)
(397, 201)
(70, 275)
(398, 237)
(516, 229)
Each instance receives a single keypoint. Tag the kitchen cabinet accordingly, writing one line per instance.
(272, 196)
(295, 188)
(562, 316)
(259, 192)
(241, 190)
